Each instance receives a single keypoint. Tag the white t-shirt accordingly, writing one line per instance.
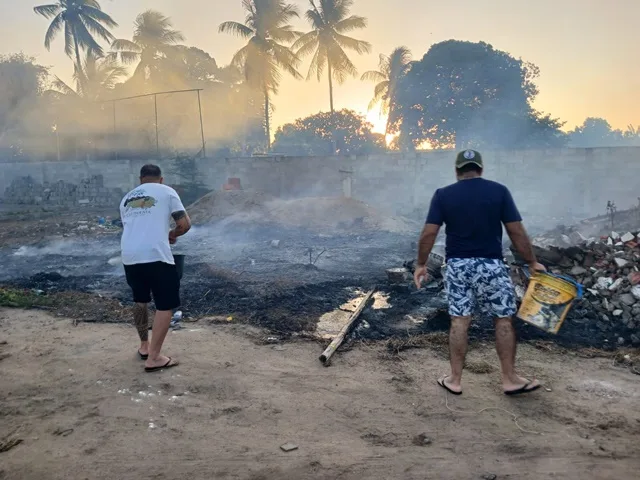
(146, 216)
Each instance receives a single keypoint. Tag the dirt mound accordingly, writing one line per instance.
(314, 213)
(218, 205)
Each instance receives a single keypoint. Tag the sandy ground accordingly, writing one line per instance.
(83, 407)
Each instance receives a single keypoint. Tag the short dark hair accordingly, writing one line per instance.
(150, 171)
(469, 167)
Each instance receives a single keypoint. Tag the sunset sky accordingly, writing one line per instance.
(587, 50)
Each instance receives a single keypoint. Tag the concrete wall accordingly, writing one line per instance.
(546, 184)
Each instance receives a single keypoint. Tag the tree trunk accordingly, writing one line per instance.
(330, 84)
(81, 82)
(267, 120)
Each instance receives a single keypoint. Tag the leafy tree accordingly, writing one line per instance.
(343, 132)
(392, 69)
(464, 94)
(100, 78)
(327, 41)
(22, 81)
(153, 39)
(268, 31)
(81, 20)
(595, 132)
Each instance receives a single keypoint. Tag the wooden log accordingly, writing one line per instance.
(325, 358)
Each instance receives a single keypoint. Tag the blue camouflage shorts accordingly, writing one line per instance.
(479, 284)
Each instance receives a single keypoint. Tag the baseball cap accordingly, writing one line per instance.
(467, 157)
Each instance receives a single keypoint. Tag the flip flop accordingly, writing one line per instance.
(523, 389)
(444, 385)
(143, 356)
(170, 364)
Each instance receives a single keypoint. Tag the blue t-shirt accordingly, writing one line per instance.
(473, 211)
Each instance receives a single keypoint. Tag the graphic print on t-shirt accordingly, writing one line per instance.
(139, 201)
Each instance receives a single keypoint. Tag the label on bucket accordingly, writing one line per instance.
(547, 302)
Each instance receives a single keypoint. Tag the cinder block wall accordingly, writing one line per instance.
(548, 184)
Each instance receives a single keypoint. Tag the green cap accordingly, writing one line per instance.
(467, 157)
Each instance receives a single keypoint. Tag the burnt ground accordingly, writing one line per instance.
(268, 276)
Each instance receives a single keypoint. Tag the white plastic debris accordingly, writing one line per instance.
(615, 235)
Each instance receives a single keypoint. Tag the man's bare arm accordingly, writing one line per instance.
(521, 242)
(427, 241)
(183, 223)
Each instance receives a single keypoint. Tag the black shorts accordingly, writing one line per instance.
(157, 279)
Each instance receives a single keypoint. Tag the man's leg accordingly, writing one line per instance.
(161, 323)
(165, 288)
(461, 305)
(141, 321)
(506, 347)
(458, 342)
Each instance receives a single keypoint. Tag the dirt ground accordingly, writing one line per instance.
(80, 403)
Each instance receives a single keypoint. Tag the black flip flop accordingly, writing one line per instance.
(169, 364)
(444, 385)
(143, 356)
(522, 390)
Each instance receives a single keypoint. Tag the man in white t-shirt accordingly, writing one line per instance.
(146, 214)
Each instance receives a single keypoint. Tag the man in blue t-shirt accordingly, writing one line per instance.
(473, 210)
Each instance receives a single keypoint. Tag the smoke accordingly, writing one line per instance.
(44, 118)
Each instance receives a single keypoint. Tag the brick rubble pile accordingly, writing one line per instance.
(608, 268)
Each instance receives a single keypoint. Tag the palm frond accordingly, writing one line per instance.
(68, 39)
(85, 39)
(55, 27)
(350, 24)
(98, 29)
(61, 87)
(306, 44)
(99, 16)
(373, 76)
(359, 46)
(318, 63)
(236, 28)
(121, 45)
(48, 11)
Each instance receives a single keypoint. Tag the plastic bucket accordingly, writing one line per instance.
(179, 261)
(548, 300)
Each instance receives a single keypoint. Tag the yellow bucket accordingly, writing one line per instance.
(548, 300)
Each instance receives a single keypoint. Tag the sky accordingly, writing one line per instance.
(586, 49)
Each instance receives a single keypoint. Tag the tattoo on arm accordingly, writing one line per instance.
(178, 215)
(183, 224)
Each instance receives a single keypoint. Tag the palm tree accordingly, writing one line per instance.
(267, 30)
(391, 69)
(153, 37)
(81, 20)
(98, 77)
(330, 21)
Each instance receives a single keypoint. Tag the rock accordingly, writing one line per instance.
(620, 341)
(628, 299)
(627, 237)
(578, 270)
(610, 242)
(422, 440)
(275, 243)
(604, 283)
(635, 340)
(489, 476)
(617, 313)
(614, 286)
(615, 235)
(635, 291)
(621, 262)
(634, 278)
(288, 447)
